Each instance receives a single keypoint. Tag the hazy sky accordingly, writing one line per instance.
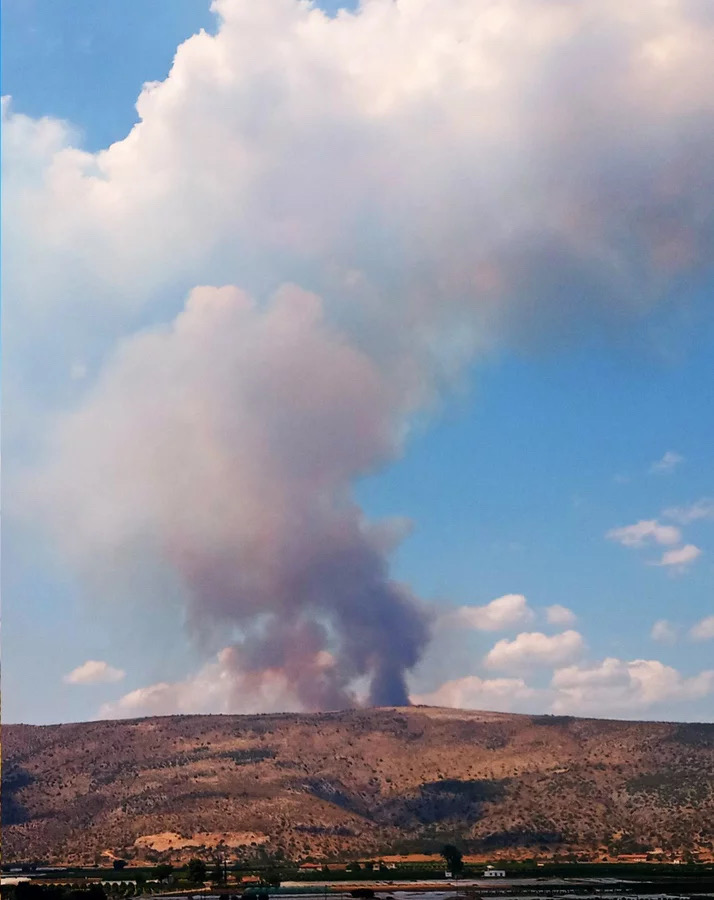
(358, 356)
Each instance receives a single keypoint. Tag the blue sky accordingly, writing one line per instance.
(512, 480)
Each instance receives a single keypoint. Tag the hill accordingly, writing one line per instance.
(358, 782)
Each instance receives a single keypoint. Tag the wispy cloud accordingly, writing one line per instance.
(667, 464)
(664, 631)
(701, 509)
(703, 630)
(643, 532)
(648, 532)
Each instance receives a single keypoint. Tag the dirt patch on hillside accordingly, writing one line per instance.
(170, 840)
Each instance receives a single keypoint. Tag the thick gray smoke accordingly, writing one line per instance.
(448, 175)
(228, 442)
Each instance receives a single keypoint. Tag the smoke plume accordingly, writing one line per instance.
(228, 441)
(448, 176)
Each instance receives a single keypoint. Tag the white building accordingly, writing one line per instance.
(494, 873)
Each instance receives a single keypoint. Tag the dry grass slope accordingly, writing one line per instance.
(354, 782)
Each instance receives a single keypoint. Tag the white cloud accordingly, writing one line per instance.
(614, 686)
(667, 464)
(651, 531)
(681, 557)
(610, 687)
(702, 509)
(535, 649)
(560, 615)
(505, 612)
(703, 630)
(94, 671)
(221, 686)
(664, 631)
(643, 532)
(288, 137)
(472, 692)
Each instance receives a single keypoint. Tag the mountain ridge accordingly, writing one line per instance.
(355, 783)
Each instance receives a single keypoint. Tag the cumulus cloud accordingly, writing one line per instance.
(560, 615)
(701, 509)
(509, 611)
(609, 687)
(94, 671)
(668, 463)
(664, 631)
(703, 630)
(616, 686)
(679, 558)
(472, 692)
(362, 149)
(446, 176)
(535, 649)
(643, 532)
(224, 685)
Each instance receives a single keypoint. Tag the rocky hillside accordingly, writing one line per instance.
(355, 783)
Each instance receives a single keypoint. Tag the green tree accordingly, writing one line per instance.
(197, 871)
(217, 875)
(454, 859)
(163, 871)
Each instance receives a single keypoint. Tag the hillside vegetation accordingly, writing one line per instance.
(355, 783)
